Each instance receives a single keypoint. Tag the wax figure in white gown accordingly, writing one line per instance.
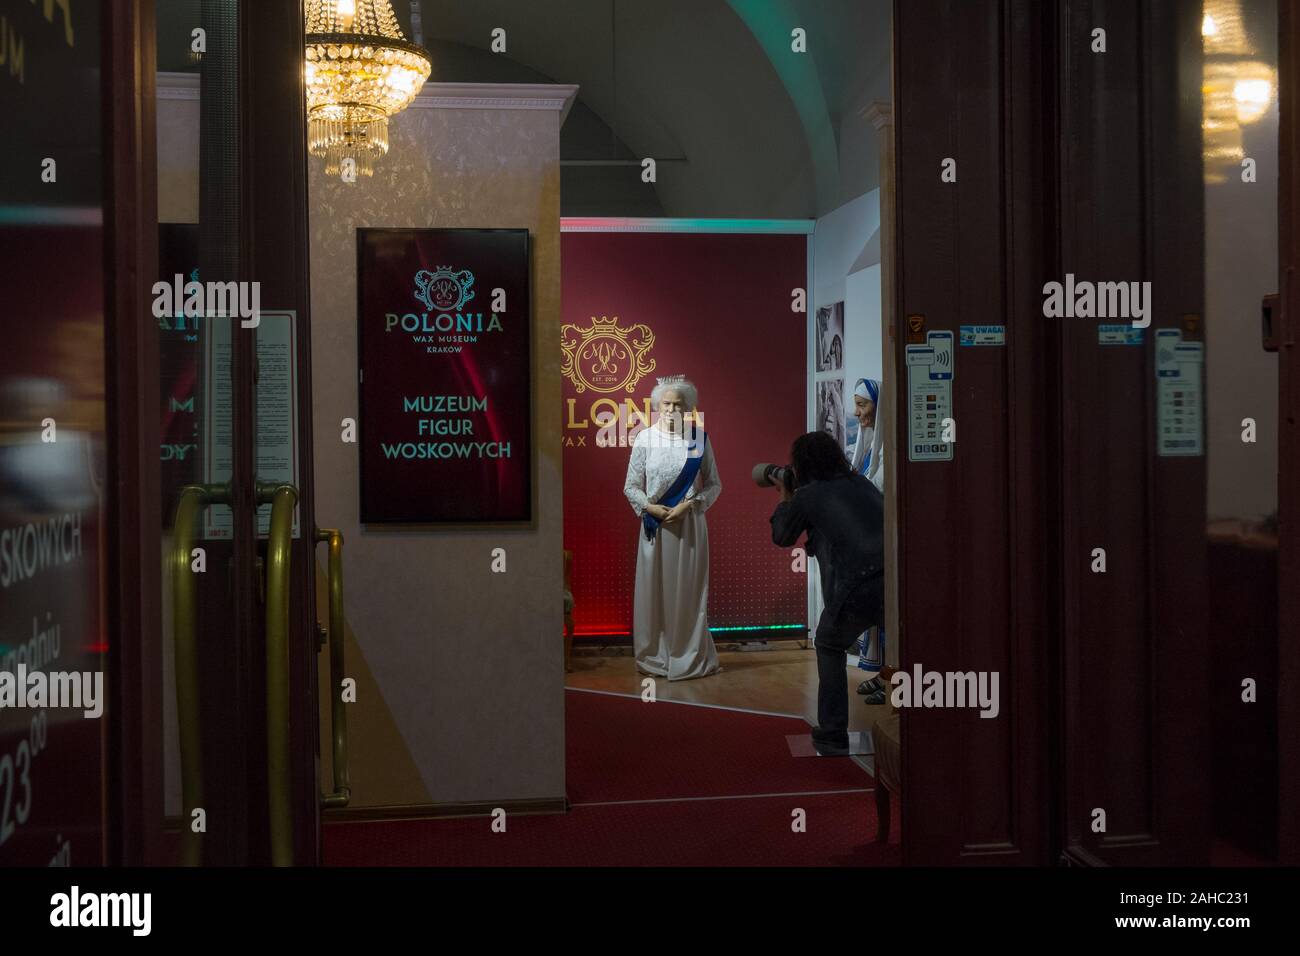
(670, 628)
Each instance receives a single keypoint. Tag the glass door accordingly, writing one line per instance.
(55, 571)
(1239, 122)
(239, 620)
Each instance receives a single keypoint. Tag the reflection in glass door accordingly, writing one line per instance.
(1240, 161)
(238, 593)
(54, 572)
(211, 592)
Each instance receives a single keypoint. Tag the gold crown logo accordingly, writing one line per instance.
(605, 358)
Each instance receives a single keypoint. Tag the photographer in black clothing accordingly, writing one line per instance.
(844, 517)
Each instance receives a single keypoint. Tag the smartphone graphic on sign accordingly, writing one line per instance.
(941, 365)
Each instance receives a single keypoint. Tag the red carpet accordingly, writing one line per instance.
(622, 749)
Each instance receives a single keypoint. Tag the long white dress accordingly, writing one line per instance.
(670, 628)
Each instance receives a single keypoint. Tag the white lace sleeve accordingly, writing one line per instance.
(634, 486)
(712, 483)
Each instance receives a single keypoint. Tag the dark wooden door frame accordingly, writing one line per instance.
(275, 252)
(134, 532)
(231, 649)
(1068, 161)
(1288, 433)
(254, 208)
(974, 587)
(1134, 640)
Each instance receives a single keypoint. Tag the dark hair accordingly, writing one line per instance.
(817, 456)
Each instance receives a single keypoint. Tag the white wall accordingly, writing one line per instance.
(846, 267)
(469, 664)
(1241, 378)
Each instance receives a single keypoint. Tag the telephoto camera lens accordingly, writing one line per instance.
(766, 474)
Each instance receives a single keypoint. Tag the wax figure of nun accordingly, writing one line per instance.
(672, 479)
(867, 459)
(869, 450)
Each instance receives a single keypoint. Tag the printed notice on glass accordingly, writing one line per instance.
(1178, 395)
(277, 413)
(929, 397)
(983, 335)
(1124, 334)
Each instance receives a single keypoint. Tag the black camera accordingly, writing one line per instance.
(767, 475)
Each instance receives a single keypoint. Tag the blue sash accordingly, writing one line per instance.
(677, 491)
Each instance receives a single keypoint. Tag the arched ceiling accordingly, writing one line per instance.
(739, 125)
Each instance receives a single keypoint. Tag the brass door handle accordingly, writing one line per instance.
(279, 549)
(342, 793)
(190, 504)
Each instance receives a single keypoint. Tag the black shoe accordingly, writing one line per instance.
(871, 686)
(825, 748)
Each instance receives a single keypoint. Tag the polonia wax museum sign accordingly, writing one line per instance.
(466, 327)
(445, 375)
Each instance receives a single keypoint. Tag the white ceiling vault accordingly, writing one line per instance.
(739, 125)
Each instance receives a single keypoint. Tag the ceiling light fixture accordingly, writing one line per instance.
(360, 70)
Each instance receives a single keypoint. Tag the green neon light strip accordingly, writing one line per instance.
(51, 216)
(629, 224)
(761, 627)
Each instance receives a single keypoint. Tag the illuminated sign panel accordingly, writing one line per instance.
(443, 339)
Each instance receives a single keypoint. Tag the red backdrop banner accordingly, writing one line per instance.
(716, 308)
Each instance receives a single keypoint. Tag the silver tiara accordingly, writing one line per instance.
(671, 379)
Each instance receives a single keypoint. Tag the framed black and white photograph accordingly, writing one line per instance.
(830, 337)
(830, 408)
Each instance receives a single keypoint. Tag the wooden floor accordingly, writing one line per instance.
(781, 679)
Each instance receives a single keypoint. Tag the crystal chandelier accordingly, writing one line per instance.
(360, 71)
(1236, 88)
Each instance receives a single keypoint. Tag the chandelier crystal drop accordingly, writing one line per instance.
(360, 70)
(1237, 88)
